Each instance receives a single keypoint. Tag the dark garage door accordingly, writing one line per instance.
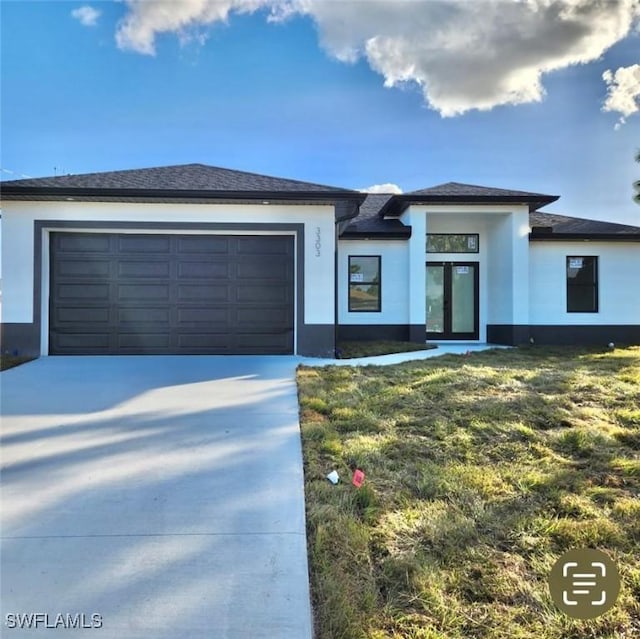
(187, 294)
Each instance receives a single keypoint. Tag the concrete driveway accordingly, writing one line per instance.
(153, 497)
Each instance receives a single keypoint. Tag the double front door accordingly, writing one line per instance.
(452, 300)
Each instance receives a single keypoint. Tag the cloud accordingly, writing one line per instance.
(145, 20)
(623, 92)
(461, 54)
(387, 187)
(472, 55)
(87, 16)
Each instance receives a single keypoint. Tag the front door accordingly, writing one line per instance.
(452, 300)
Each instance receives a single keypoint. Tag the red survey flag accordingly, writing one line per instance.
(358, 478)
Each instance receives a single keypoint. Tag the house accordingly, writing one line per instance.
(196, 259)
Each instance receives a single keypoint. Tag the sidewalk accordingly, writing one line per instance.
(398, 358)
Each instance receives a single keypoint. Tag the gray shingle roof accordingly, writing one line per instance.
(369, 223)
(451, 192)
(185, 177)
(553, 225)
(457, 189)
(545, 226)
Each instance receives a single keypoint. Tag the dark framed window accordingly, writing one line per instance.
(582, 284)
(453, 242)
(364, 283)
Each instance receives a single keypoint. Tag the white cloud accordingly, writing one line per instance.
(387, 187)
(623, 92)
(461, 54)
(472, 55)
(87, 16)
(145, 20)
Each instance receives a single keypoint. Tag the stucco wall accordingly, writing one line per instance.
(618, 283)
(503, 256)
(394, 264)
(18, 244)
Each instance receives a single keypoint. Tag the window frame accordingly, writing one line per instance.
(370, 283)
(468, 252)
(573, 286)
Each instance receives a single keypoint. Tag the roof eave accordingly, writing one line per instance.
(387, 235)
(584, 237)
(375, 236)
(47, 193)
(399, 203)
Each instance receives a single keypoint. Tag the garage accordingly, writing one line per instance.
(144, 293)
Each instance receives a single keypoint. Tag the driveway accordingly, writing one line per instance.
(162, 495)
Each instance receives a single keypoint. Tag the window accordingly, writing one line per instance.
(582, 284)
(452, 242)
(364, 283)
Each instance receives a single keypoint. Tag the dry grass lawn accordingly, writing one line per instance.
(481, 471)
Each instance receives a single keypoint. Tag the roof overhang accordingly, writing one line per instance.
(13, 193)
(584, 237)
(383, 235)
(398, 204)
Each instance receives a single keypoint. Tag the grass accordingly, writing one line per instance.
(364, 348)
(11, 361)
(480, 472)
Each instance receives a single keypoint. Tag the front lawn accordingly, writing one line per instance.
(481, 470)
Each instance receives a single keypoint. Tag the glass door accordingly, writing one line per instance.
(452, 300)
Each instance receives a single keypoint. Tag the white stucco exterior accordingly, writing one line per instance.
(394, 265)
(522, 283)
(502, 257)
(618, 282)
(18, 240)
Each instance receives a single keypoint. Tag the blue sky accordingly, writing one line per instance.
(506, 94)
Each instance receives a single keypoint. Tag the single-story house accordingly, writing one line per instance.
(196, 259)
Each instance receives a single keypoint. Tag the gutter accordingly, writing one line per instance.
(584, 237)
(45, 193)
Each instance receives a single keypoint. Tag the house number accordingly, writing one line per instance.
(318, 244)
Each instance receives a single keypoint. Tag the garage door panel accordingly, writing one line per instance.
(145, 269)
(83, 269)
(202, 342)
(249, 342)
(203, 270)
(252, 245)
(251, 294)
(209, 316)
(155, 292)
(143, 315)
(137, 293)
(144, 341)
(211, 245)
(82, 315)
(137, 244)
(82, 243)
(278, 316)
(77, 292)
(274, 269)
(200, 292)
(82, 341)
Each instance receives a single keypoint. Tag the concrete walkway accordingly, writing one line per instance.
(443, 348)
(162, 494)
